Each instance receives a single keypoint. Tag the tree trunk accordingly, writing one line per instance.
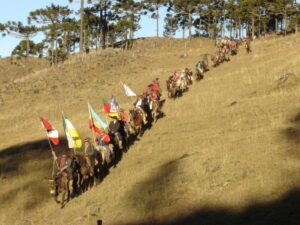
(200, 26)
(276, 24)
(132, 31)
(296, 20)
(240, 28)
(157, 20)
(27, 54)
(52, 53)
(190, 25)
(236, 29)
(285, 21)
(86, 38)
(81, 24)
(56, 52)
(253, 27)
(231, 27)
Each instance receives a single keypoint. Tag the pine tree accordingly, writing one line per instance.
(24, 32)
(51, 19)
(153, 7)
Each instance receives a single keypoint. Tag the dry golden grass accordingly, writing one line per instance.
(230, 143)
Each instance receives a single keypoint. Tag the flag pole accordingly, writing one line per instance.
(51, 148)
(93, 123)
(52, 151)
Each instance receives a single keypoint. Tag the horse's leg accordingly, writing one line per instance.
(56, 195)
(63, 197)
(68, 190)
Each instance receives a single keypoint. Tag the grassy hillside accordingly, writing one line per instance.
(227, 152)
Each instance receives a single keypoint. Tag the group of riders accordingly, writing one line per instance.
(82, 166)
(178, 83)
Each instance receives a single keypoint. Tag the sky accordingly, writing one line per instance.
(18, 10)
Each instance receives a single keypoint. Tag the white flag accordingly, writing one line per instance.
(128, 91)
(114, 106)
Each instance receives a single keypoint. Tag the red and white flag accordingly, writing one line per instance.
(52, 133)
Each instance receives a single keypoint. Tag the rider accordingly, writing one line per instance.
(61, 164)
(103, 141)
(156, 89)
(139, 104)
(199, 68)
(175, 77)
(89, 154)
(115, 132)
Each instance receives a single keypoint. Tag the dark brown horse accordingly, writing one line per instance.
(204, 62)
(136, 121)
(60, 185)
(86, 171)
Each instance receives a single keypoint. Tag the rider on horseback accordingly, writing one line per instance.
(103, 141)
(156, 90)
(61, 164)
(139, 105)
(199, 70)
(89, 154)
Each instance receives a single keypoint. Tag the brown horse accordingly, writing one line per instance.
(86, 171)
(248, 46)
(215, 58)
(60, 184)
(204, 62)
(136, 121)
(173, 90)
(156, 110)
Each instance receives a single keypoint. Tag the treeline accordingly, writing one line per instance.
(102, 23)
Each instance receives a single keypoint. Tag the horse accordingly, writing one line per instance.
(189, 76)
(136, 121)
(199, 75)
(115, 134)
(60, 184)
(215, 58)
(155, 109)
(247, 46)
(86, 171)
(204, 62)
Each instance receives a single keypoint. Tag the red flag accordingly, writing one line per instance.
(106, 107)
(52, 133)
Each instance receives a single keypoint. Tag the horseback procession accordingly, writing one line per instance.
(87, 162)
(178, 83)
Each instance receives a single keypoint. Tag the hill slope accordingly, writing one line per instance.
(227, 150)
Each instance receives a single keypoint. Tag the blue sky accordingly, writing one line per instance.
(18, 10)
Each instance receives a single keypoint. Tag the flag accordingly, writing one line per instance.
(114, 115)
(106, 106)
(74, 140)
(52, 133)
(95, 123)
(128, 91)
(114, 106)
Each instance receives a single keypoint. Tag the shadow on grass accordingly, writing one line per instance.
(157, 192)
(292, 134)
(146, 196)
(31, 191)
(13, 158)
(285, 211)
